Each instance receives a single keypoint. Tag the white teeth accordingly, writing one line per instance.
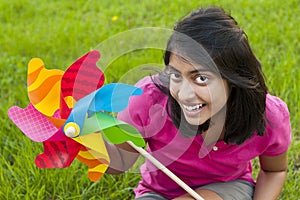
(193, 108)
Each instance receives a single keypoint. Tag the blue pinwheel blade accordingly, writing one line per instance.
(113, 97)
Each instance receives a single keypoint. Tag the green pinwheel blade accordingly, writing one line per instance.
(113, 130)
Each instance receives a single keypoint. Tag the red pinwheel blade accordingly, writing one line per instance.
(58, 154)
(82, 77)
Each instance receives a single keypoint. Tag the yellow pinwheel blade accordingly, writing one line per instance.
(43, 87)
(94, 155)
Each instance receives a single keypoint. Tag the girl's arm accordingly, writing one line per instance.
(271, 176)
(122, 157)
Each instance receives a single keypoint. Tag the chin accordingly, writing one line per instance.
(195, 122)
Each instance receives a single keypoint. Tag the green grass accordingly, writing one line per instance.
(61, 31)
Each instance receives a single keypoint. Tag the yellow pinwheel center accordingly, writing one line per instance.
(72, 129)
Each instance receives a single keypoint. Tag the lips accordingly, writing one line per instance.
(193, 108)
(192, 111)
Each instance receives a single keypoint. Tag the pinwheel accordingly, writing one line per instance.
(68, 110)
(68, 113)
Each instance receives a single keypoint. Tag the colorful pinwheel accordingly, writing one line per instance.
(67, 112)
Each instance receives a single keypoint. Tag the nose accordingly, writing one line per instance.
(186, 91)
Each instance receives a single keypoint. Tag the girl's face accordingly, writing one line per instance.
(200, 93)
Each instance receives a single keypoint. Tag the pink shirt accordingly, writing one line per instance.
(191, 161)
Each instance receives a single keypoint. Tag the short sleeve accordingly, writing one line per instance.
(278, 132)
(138, 112)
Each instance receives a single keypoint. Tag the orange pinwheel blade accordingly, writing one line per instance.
(43, 87)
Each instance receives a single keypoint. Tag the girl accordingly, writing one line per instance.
(207, 115)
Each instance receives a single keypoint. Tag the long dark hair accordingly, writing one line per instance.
(223, 48)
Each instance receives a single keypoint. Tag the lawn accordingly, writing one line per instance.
(58, 32)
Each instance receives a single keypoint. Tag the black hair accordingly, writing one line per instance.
(223, 47)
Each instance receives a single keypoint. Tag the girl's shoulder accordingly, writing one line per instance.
(146, 82)
(145, 108)
(276, 109)
(151, 92)
(278, 127)
(140, 106)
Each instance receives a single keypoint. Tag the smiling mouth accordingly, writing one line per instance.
(193, 108)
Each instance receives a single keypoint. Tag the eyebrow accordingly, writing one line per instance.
(170, 67)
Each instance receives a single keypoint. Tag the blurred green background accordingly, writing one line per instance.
(59, 32)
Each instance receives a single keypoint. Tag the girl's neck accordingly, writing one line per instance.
(216, 130)
(211, 137)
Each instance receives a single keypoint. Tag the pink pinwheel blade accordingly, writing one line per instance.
(32, 123)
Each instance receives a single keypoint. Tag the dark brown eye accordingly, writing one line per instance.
(175, 76)
(201, 79)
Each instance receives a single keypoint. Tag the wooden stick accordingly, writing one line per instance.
(163, 168)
